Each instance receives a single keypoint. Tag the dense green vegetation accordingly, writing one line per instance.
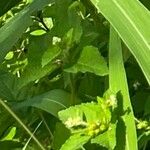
(74, 75)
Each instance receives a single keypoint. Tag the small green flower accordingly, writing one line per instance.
(142, 125)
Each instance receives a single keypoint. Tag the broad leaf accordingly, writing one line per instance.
(86, 121)
(118, 82)
(85, 115)
(34, 69)
(107, 139)
(131, 21)
(90, 61)
(63, 133)
(7, 86)
(50, 54)
(52, 101)
(75, 142)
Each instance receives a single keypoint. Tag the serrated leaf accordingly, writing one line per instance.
(75, 142)
(131, 21)
(52, 101)
(85, 113)
(107, 139)
(90, 61)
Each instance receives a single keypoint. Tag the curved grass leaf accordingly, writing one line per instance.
(90, 61)
(52, 101)
(118, 82)
(34, 70)
(131, 21)
(18, 25)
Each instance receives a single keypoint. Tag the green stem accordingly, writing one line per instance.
(22, 124)
(72, 86)
(25, 146)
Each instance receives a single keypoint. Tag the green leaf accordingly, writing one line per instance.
(6, 121)
(107, 139)
(50, 54)
(90, 61)
(85, 113)
(38, 32)
(7, 86)
(34, 69)
(63, 133)
(131, 21)
(66, 17)
(75, 142)
(10, 135)
(18, 24)
(118, 82)
(52, 101)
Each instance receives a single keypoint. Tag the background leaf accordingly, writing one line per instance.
(52, 101)
(34, 69)
(90, 61)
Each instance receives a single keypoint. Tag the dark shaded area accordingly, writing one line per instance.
(7, 145)
(7, 5)
(120, 135)
(146, 3)
(121, 128)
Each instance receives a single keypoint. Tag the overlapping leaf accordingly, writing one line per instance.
(90, 61)
(131, 21)
(13, 30)
(52, 101)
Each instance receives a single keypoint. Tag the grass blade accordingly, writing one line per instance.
(131, 21)
(118, 82)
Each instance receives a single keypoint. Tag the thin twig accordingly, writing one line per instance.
(21, 123)
(46, 125)
(25, 146)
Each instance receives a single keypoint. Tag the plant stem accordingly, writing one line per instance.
(21, 123)
(46, 125)
(72, 86)
(25, 146)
